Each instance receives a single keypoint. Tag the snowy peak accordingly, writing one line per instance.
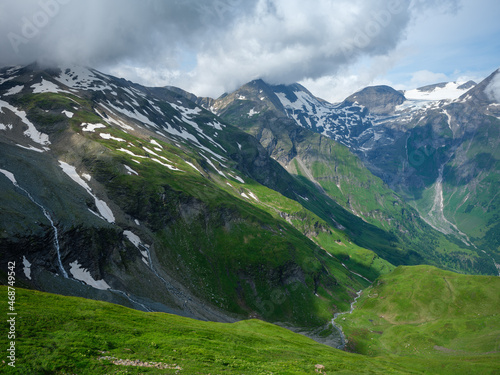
(440, 91)
(342, 122)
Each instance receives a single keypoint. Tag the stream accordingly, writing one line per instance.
(343, 339)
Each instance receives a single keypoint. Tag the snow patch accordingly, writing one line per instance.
(10, 176)
(192, 165)
(253, 195)
(213, 166)
(14, 90)
(82, 274)
(252, 112)
(47, 86)
(130, 170)
(31, 132)
(81, 78)
(132, 238)
(109, 136)
(138, 243)
(31, 148)
(171, 167)
(91, 127)
(449, 91)
(27, 267)
(133, 115)
(68, 113)
(102, 207)
(238, 178)
(131, 154)
(115, 121)
(156, 143)
(215, 124)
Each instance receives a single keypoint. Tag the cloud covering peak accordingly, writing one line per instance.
(205, 46)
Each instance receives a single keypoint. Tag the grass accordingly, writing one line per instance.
(68, 335)
(424, 311)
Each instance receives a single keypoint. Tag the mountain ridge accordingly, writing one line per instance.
(282, 137)
(147, 183)
(382, 140)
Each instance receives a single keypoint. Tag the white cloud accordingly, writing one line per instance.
(493, 89)
(233, 41)
(425, 77)
(352, 78)
(288, 41)
(212, 47)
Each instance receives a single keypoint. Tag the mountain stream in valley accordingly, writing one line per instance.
(343, 339)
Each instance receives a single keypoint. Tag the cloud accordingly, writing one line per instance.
(285, 41)
(113, 31)
(493, 88)
(352, 78)
(205, 47)
(426, 77)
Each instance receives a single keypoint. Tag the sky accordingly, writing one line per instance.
(208, 47)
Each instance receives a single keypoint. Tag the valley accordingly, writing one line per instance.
(224, 227)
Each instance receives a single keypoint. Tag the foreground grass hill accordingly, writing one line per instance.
(68, 335)
(427, 312)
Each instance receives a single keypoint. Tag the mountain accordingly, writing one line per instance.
(138, 196)
(444, 161)
(380, 100)
(265, 111)
(244, 207)
(435, 154)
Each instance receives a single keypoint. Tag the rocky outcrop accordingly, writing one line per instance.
(380, 100)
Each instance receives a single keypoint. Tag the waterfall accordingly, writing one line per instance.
(167, 284)
(11, 177)
(436, 217)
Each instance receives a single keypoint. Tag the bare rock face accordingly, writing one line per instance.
(380, 100)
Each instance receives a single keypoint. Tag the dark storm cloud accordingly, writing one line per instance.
(100, 32)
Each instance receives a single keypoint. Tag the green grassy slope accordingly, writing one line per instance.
(67, 335)
(427, 312)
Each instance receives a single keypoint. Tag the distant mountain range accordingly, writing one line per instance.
(436, 146)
